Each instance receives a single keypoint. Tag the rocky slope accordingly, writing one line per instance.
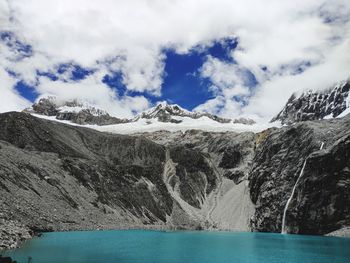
(59, 177)
(315, 105)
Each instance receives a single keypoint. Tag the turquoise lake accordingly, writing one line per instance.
(139, 246)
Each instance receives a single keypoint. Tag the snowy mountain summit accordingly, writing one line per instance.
(74, 111)
(316, 105)
(165, 112)
(82, 113)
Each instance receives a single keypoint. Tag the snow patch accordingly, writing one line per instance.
(151, 125)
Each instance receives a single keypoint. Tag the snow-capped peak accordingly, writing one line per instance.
(163, 116)
(174, 113)
(163, 108)
(316, 105)
(76, 111)
(64, 106)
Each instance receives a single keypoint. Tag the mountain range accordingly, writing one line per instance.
(82, 113)
(310, 105)
(57, 176)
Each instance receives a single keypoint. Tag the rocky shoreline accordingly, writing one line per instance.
(12, 234)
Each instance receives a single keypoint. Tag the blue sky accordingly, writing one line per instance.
(182, 83)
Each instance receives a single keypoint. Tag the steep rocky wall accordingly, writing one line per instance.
(276, 166)
(228, 206)
(315, 105)
(322, 200)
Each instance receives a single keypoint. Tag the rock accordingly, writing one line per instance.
(73, 111)
(6, 260)
(230, 159)
(315, 105)
(343, 232)
(12, 233)
(320, 203)
(245, 121)
(322, 200)
(165, 112)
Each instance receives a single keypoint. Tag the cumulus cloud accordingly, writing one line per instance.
(230, 85)
(292, 49)
(273, 93)
(275, 38)
(95, 93)
(10, 100)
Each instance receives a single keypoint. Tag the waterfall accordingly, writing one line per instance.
(290, 199)
(291, 196)
(321, 145)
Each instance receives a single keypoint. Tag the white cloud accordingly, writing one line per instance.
(285, 40)
(228, 78)
(273, 94)
(92, 91)
(130, 35)
(10, 100)
(229, 82)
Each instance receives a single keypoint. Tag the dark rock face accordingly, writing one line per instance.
(230, 159)
(315, 105)
(45, 107)
(84, 117)
(327, 186)
(191, 166)
(88, 115)
(231, 153)
(6, 260)
(321, 202)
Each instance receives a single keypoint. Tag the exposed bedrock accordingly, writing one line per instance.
(320, 203)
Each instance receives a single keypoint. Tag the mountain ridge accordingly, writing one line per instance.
(74, 111)
(85, 114)
(316, 105)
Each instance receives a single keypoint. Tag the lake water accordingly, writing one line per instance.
(138, 246)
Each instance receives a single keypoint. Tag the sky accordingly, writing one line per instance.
(226, 57)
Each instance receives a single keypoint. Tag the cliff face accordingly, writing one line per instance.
(59, 177)
(313, 105)
(320, 201)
